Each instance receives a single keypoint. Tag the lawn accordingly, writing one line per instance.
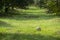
(23, 26)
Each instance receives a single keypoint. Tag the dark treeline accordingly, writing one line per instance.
(53, 6)
(14, 3)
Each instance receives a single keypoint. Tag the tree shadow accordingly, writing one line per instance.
(19, 36)
(32, 16)
(28, 16)
(4, 24)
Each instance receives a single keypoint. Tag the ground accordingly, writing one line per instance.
(23, 26)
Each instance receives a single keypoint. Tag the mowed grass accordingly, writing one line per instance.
(23, 26)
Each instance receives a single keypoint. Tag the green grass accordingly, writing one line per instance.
(23, 26)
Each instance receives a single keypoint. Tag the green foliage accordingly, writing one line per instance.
(10, 4)
(53, 6)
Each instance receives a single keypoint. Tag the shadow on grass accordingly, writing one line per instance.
(28, 16)
(32, 16)
(4, 24)
(17, 36)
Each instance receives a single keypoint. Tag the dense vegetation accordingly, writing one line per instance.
(53, 6)
(6, 5)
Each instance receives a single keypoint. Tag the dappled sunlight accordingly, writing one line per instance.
(29, 20)
(22, 26)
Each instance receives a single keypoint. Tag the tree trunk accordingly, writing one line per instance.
(6, 9)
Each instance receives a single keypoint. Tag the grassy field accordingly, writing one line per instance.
(23, 26)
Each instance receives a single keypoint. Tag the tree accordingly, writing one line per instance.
(54, 6)
(7, 4)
